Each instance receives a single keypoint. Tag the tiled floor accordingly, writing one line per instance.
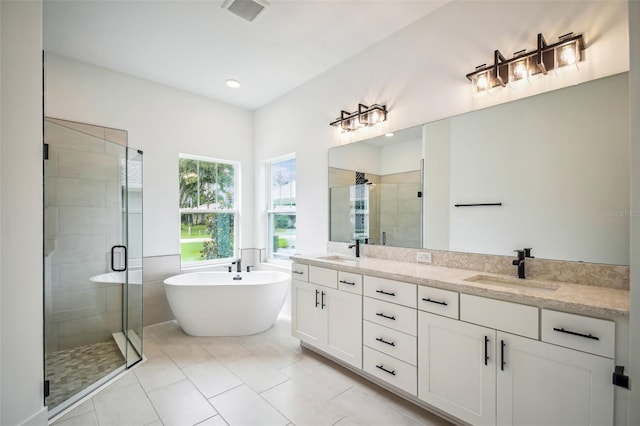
(265, 379)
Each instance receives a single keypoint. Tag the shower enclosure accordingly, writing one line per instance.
(92, 259)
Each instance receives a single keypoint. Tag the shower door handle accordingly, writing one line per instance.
(113, 263)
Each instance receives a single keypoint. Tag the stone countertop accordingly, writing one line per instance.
(590, 300)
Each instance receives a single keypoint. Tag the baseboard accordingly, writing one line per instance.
(38, 419)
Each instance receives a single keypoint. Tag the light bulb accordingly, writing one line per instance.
(568, 55)
(483, 82)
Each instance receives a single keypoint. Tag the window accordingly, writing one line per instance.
(282, 208)
(208, 209)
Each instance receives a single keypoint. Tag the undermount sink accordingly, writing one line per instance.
(337, 258)
(515, 283)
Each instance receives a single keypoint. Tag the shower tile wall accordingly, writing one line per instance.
(156, 269)
(400, 209)
(82, 218)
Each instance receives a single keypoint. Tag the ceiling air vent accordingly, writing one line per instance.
(246, 9)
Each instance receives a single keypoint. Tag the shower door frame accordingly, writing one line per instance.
(131, 350)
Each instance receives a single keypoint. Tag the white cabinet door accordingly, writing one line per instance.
(457, 368)
(544, 384)
(328, 319)
(344, 325)
(308, 318)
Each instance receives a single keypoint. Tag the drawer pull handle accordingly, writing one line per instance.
(434, 301)
(502, 363)
(322, 299)
(380, 339)
(381, 367)
(317, 298)
(347, 282)
(298, 272)
(380, 314)
(486, 350)
(575, 333)
(385, 292)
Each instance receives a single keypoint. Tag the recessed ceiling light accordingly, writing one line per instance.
(388, 134)
(233, 83)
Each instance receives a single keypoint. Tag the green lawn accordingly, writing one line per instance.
(284, 231)
(197, 231)
(191, 251)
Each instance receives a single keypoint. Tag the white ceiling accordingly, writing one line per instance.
(197, 45)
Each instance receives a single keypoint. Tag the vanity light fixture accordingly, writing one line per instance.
(365, 116)
(562, 54)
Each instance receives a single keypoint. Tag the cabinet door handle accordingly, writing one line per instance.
(380, 339)
(486, 350)
(347, 282)
(502, 363)
(297, 272)
(381, 367)
(575, 333)
(434, 301)
(317, 298)
(385, 292)
(322, 299)
(380, 314)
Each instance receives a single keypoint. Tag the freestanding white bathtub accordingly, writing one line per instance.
(214, 304)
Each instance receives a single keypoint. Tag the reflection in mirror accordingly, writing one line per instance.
(374, 190)
(558, 163)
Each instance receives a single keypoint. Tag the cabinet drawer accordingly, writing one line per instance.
(391, 370)
(391, 342)
(391, 291)
(592, 335)
(300, 272)
(437, 301)
(391, 315)
(350, 282)
(506, 316)
(323, 276)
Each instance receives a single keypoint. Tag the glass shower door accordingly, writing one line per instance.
(133, 287)
(89, 259)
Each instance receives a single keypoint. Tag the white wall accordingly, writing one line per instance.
(162, 122)
(361, 157)
(400, 157)
(21, 226)
(634, 113)
(419, 73)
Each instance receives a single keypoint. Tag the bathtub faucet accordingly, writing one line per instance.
(238, 263)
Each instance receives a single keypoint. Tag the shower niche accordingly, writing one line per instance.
(92, 259)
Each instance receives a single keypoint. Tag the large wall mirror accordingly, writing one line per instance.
(375, 188)
(553, 167)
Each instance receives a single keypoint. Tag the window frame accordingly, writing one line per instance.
(235, 211)
(272, 211)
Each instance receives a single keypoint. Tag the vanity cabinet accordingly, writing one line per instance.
(543, 384)
(390, 332)
(486, 376)
(483, 361)
(457, 368)
(327, 317)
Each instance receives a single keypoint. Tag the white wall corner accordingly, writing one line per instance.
(634, 112)
(21, 214)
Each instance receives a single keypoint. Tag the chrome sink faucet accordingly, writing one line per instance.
(357, 246)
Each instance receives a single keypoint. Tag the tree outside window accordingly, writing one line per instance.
(208, 212)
